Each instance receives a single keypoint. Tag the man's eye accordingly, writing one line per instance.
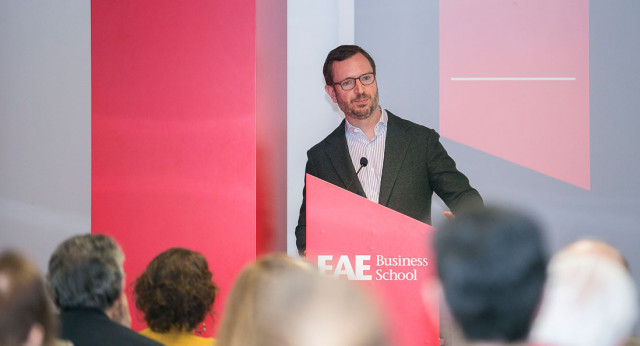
(366, 78)
(347, 83)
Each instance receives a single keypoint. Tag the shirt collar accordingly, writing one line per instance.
(382, 123)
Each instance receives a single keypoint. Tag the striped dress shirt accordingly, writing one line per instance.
(373, 150)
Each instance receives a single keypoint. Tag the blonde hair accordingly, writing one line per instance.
(278, 301)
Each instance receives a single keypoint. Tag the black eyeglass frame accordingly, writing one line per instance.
(358, 78)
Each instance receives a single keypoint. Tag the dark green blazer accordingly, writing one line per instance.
(415, 166)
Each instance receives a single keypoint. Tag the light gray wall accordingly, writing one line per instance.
(45, 124)
(405, 44)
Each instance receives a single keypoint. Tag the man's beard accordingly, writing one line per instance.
(357, 112)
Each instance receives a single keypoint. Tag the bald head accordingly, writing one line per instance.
(590, 298)
(594, 247)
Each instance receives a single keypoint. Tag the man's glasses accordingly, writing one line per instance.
(350, 83)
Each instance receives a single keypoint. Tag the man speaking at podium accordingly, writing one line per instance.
(377, 154)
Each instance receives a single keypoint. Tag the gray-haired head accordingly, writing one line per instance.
(85, 271)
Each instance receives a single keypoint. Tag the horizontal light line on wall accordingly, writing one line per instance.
(462, 79)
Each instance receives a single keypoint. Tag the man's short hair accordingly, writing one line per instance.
(341, 53)
(85, 271)
(590, 299)
(492, 264)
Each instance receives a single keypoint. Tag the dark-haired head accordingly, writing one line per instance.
(492, 265)
(342, 53)
(175, 292)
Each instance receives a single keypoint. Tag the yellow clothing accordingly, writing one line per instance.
(177, 338)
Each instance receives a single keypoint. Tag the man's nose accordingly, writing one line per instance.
(359, 88)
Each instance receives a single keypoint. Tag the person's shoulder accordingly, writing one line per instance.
(200, 341)
(93, 327)
(128, 336)
(148, 333)
(61, 342)
(141, 340)
(409, 126)
(334, 136)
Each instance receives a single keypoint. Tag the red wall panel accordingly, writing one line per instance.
(174, 131)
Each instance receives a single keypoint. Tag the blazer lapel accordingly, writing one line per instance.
(395, 151)
(338, 152)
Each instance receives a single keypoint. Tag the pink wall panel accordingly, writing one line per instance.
(174, 131)
(271, 119)
(514, 82)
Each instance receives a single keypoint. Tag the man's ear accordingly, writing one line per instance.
(119, 312)
(332, 92)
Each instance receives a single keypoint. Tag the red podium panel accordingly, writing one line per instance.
(350, 236)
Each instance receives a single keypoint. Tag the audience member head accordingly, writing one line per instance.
(589, 299)
(85, 271)
(595, 247)
(26, 316)
(491, 263)
(175, 292)
(278, 300)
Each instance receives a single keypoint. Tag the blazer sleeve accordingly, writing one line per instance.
(447, 181)
(301, 228)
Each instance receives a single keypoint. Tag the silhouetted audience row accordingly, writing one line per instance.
(494, 275)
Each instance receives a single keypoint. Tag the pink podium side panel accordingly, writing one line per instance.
(388, 252)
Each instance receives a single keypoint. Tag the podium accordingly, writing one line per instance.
(384, 250)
